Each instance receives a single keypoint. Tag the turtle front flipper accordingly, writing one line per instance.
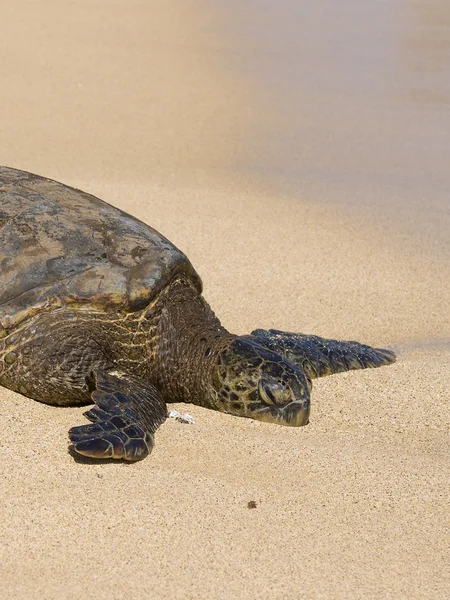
(127, 412)
(318, 356)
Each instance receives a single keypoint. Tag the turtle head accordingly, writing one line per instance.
(252, 381)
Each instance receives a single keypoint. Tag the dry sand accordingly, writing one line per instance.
(143, 104)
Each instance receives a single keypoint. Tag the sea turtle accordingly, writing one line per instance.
(96, 306)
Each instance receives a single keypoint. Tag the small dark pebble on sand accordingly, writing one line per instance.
(251, 504)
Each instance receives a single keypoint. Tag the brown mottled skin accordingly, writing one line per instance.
(96, 306)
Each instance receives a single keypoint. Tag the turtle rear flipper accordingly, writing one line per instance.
(318, 356)
(127, 412)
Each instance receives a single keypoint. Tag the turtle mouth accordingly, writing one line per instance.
(294, 414)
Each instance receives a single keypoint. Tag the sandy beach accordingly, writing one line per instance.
(307, 207)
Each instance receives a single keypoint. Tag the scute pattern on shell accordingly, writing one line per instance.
(60, 246)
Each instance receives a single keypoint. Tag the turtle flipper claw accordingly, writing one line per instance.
(128, 410)
(118, 437)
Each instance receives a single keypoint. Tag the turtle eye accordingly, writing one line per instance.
(273, 393)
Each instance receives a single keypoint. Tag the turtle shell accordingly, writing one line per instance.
(60, 246)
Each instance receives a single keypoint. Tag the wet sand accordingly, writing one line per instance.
(162, 112)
